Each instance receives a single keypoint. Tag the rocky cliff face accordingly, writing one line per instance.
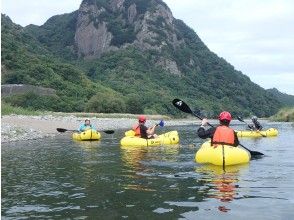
(92, 37)
(102, 27)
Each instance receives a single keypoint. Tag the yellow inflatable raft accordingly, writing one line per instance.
(271, 132)
(222, 155)
(88, 135)
(130, 140)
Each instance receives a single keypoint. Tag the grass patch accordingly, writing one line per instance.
(7, 109)
(285, 114)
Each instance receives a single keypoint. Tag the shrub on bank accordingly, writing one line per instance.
(285, 114)
(106, 103)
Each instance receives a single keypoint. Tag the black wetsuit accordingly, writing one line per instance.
(256, 126)
(143, 131)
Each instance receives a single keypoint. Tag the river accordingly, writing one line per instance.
(57, 178)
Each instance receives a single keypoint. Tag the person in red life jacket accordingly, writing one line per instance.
(221, 134)
(142, 131)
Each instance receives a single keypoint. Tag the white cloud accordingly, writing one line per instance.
(254, 36)
(283, 80)
(26, 12)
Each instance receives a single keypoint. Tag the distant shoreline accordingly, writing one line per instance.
(22, 127)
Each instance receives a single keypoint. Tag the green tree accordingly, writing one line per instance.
(134, 104)
(106, 103)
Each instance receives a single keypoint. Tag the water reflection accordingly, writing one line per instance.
(132, 157)
(137, 160)
(89, 146)
(221, 182)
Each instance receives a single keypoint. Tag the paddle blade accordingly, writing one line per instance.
(61, 129)
(161, 123)
(181, 105)
(109, 131)
(253, 153)
(240, 119)
(256, 154)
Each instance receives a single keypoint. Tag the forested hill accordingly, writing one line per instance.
(285, 99)
(124, 56)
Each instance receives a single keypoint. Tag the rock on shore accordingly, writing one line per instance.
(11, 133)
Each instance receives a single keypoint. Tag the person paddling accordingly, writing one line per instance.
(86, 126)
(221, 134)
(142, 131)
(256, 125)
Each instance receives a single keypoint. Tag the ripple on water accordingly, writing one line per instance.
(182, 204)
(162, 210)
(77, 196)
(28, 208)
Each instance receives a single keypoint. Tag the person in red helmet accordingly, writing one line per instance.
(221, 134)
(142, 131)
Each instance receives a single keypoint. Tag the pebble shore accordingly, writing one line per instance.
(21, 128)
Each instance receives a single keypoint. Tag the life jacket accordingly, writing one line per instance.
(85, 127)
(223, 135)
(137, 130)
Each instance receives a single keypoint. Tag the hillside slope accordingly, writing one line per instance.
(26, 61)
(143, 54)
(285, 99)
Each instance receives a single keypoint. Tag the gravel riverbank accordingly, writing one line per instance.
(20, 128)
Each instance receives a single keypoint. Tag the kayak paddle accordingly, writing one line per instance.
(181, 105)
(241, 119)
(64, 130)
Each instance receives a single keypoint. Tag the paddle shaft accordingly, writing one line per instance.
(202, 119)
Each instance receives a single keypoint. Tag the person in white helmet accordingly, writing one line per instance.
(256, 125)
(87, 125)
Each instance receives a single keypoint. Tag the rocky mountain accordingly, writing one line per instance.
(137, 50)
(118, 23)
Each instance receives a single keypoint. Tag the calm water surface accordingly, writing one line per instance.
(62, 179)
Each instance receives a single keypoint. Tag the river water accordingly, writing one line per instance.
(62, 179)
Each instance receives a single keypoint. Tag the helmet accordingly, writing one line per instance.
(87, 119)
(142, 118)
(254, 118)
(225, 116)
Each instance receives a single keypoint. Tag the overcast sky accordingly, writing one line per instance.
(255, 36)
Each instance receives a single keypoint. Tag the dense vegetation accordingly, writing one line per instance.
(285, 114)
(285, 99)
(126, 80)
(25, 61)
